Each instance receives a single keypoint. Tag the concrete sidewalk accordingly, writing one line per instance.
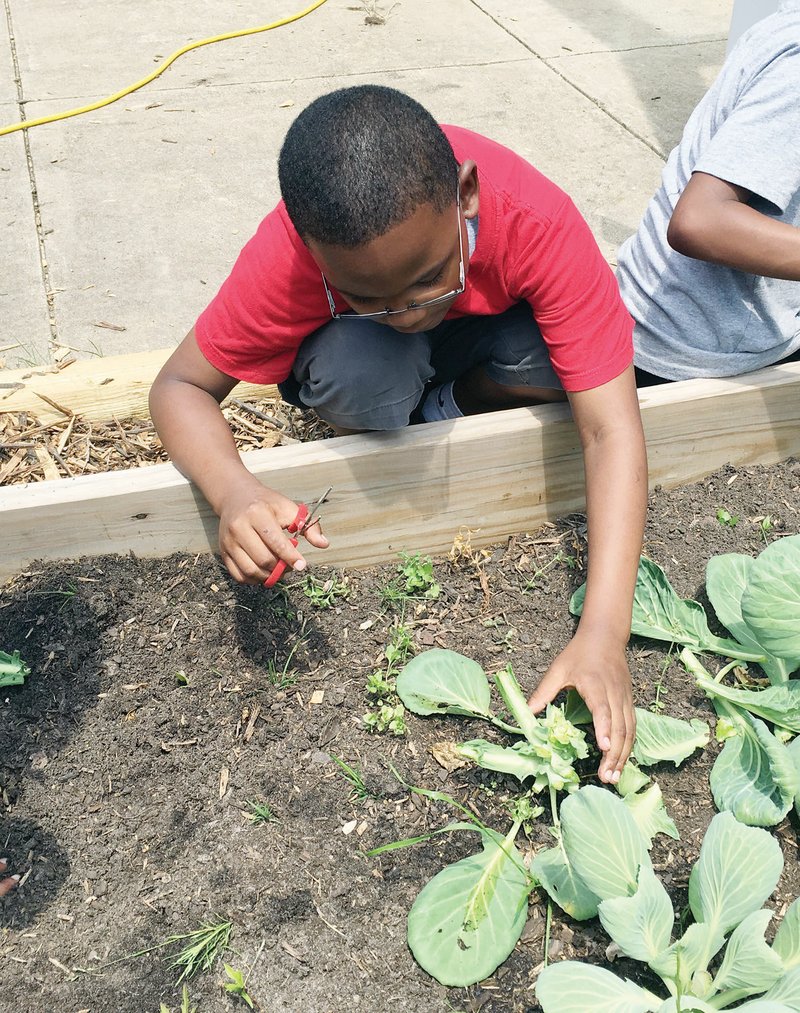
(120, 224)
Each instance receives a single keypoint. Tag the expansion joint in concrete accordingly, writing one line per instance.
(37, 214)
(549, 64)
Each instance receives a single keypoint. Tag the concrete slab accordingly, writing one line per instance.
(653, 91)
(555, 27)
(333, 40)
(25, 331)
(149, 208)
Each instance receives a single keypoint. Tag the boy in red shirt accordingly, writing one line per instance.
(414, 273)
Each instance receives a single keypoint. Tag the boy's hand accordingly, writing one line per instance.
(252, 536)
(598, 670)
(7, 883)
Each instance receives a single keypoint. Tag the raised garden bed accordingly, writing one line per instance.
(164, 699)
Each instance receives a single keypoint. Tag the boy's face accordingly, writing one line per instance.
(417, 260)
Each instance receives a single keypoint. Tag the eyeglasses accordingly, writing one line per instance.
(414, 305)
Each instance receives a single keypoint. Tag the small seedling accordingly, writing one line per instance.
(185, 1007)
(386, 719)
(560, 557)
(259, 813)
(379, 685)
(202, 948)
(282, 677)
(726, 518)
(324, 593)
(13, 669)
(415, 579)
(359, 790)
(237, 986)
(181, 678)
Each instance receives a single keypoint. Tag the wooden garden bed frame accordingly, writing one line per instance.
(414, 489)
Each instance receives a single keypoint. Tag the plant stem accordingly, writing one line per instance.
(547, 932)
(499, 723)
(554, 808)
(514, 699)
(724, 671)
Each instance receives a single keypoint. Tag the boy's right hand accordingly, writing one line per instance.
(252, 535)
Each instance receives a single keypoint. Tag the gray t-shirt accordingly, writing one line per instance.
(699, 319)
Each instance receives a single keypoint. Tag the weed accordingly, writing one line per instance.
(380, 685)
(399, 647)
(237, 986)
(185, 1007)
(415, 579)
(359, 790)
(259, 813)
(387, 719)
(282, 677)
(181, 678)
(726, 518)
(65, 594)
(202, 948)
(765, 525)
(569, 561)
(324, 593)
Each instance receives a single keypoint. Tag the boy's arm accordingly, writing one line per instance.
(594, 662)
(713, 221)
(184, 403)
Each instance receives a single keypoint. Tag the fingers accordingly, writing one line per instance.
(8, 883)
(615, 730)
(547, 690)
(315, 536)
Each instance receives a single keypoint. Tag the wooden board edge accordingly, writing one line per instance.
(495, 474)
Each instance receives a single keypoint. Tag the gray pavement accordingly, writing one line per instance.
(132, 215)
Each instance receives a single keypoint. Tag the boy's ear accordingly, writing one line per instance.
(469, 187)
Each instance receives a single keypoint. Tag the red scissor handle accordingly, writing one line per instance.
(296, 527)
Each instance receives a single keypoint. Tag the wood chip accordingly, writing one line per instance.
(317, 696)
(348, 828)
(224, 775)
(251, 723)
(293, 951)
(109, 327)
(48, 464)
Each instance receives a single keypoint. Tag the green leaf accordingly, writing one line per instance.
(688, 955)
(444, 682)
(640, 925)
(754, 776)
(786, 989)
(686, 1004)
(652, 818)
(660, 738)
(659, 613)
(570, 987)
(749, 965)
(13, 669)
(778, 704)
(771, 601)
(787, 938)
(468, 918)
(763, 1006)
(631, 780)
(603, 843)
(722, 890)
(575, 710)
(726, 579)
(503, 759)
(553, 870)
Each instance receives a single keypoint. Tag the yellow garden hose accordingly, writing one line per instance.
(27, 124)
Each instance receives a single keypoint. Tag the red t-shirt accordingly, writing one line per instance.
(532, 245)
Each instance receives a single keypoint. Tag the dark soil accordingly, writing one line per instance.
(123, 789)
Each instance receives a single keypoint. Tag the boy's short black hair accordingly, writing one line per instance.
(359, 161)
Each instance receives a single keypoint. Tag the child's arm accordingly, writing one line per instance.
(594, 662)
(713, 221)
(184, 403)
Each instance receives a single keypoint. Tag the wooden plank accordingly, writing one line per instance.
(96, 389)
(498, 474)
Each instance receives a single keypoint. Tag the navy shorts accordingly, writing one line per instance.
(363, 375)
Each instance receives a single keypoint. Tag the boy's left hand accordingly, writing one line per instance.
(598, 670)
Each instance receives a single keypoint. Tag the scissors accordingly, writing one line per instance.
(303, 520)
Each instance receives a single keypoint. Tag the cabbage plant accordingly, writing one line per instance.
(468, 918)
(757, 600)
(738, 869)
(756, 775)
